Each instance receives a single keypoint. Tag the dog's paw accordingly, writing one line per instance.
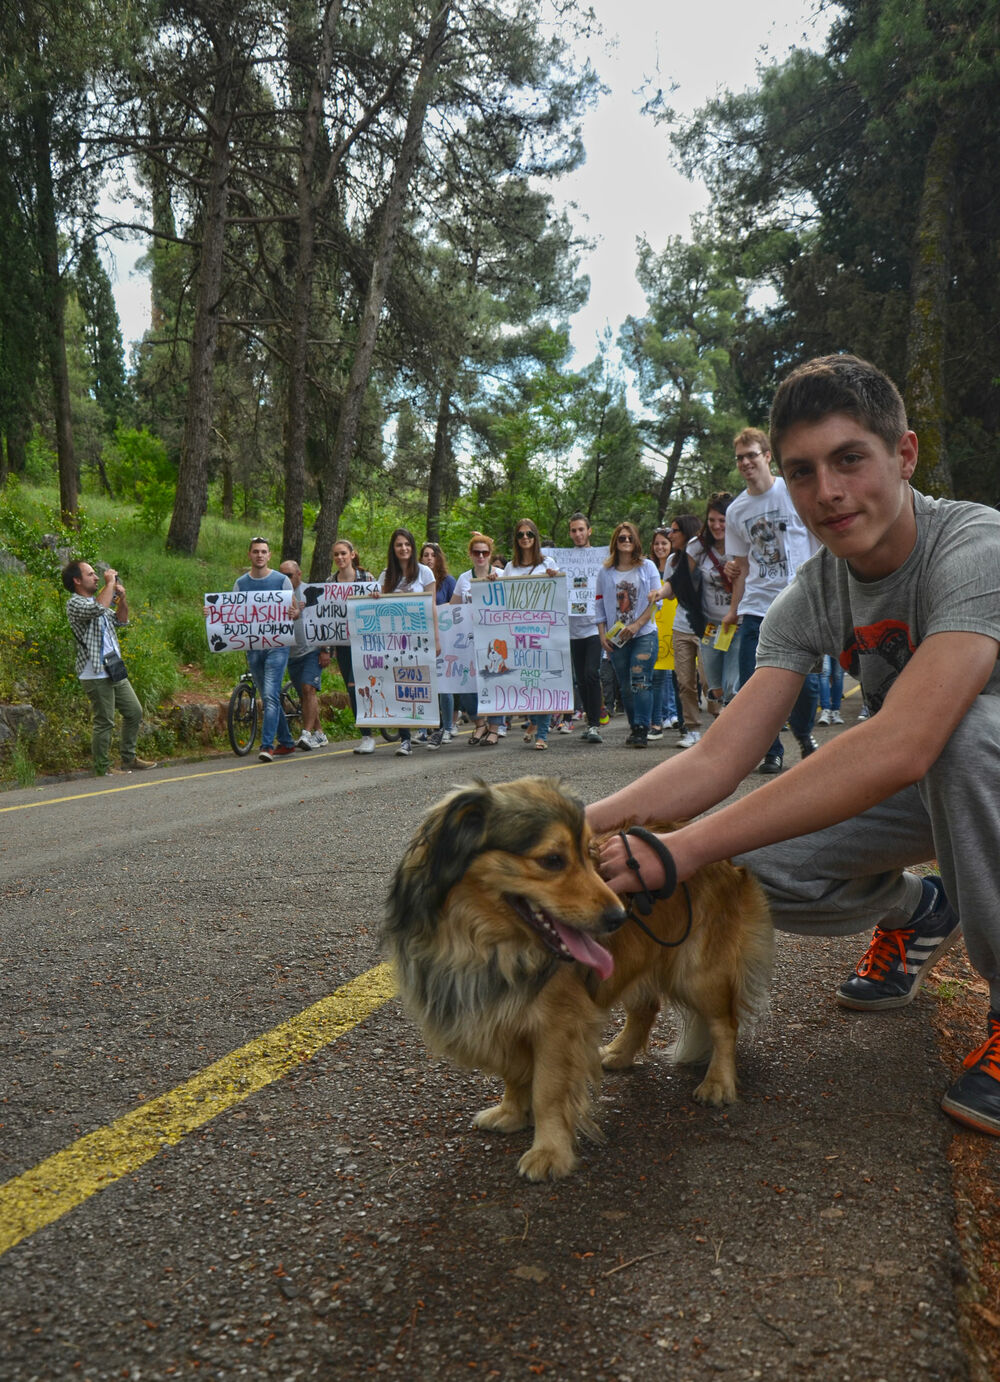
(615, 1060)
(501, 1118)
(547, 1163)
(716, 1091)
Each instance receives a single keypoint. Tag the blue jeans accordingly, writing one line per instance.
(267, 667)
(664, 707)
(633, 664)
(800, 721)
(721, 671)
(831, 683)
(446, 709)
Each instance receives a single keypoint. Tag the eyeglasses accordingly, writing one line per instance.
(748, 455)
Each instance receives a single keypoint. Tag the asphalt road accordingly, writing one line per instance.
(171, 1209)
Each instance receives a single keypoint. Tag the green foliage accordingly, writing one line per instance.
(139, 469)
(40, 459)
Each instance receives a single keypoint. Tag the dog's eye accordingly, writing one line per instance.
(553, 862)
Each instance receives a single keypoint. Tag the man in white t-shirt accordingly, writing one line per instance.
(766, 541)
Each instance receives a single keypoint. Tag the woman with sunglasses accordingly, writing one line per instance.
(628, 587)
(347, 568)
(529, 560)
(486, 731)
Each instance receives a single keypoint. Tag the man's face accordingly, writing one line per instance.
(579, 531)
(754, 464)
(260, 555)
(852, 491)
(293, 571)
(88, 581)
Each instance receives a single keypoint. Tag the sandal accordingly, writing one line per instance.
(479, 736)
(541, 744)
(529, 733)
(491, 740)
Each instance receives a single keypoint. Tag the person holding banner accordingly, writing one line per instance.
(628, 586)
(267, 665)
(444, 585)
(306, 662)
(530, 560)
(683, 584)
(348, 570)
(486, 731)
(404, 573)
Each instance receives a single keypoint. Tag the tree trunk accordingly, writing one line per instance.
(673, 461)
(53, 314)
(192, 473)
(335, 474)
(925, 372)
(439, 461)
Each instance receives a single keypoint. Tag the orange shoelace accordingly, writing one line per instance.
(886, 946)
(987, 1055)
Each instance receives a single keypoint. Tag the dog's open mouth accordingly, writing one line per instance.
(565, 941)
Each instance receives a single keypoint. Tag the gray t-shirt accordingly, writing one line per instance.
(950, 583)
(766, 530)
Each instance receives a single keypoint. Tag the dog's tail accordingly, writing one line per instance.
(751, 1000)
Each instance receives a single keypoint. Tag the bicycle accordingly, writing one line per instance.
(243, 716)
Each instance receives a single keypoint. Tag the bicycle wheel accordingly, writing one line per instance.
(291, 704)
(389, 735)
(241, 719)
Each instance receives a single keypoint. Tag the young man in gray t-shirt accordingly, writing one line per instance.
(905, 589)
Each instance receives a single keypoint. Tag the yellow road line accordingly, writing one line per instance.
(160, 782)
(65, 1180)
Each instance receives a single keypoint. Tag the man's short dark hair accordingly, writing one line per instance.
(254, 540)
(838, 384)
(579, 517)
(70, 575)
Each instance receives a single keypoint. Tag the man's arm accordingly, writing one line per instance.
(739, 580)
(848, 775)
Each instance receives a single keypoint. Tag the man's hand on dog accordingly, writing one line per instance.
(613, 866)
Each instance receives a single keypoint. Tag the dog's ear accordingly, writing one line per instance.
(453, 834)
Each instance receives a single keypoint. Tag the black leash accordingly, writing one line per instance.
(645, 898)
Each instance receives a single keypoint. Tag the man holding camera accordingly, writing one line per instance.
(99, 662)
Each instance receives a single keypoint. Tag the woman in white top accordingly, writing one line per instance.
(487, 731)
(404, 573)
(628, 586)
(720, 671)
(529, 561)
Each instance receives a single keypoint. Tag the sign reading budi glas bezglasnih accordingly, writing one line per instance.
(245, 620)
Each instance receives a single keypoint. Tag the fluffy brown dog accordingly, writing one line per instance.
(509, 950)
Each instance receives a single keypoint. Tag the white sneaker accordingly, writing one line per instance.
(319, 739)
(836, 718)
(305, 740)
(688, 740)
(367, 745)
(823, 718)
(446, 736)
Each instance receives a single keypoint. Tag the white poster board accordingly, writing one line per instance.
(245, 620)
(456, 667)
(581, 565)
(324, 613)
(393, 655)
(521, 634)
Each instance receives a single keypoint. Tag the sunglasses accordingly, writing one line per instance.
(522, 536)
(625, 538)
(480, 551)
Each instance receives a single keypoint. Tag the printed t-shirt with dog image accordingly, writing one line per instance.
(766, 530)
(625, 594)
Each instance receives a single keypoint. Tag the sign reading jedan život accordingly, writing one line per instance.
(394, 657)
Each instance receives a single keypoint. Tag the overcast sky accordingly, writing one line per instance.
(627, 186)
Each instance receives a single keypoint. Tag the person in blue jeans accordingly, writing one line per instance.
(627, 588)
(267, 665)
(831, 691)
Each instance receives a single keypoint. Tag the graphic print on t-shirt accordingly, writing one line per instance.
(875, 656)
(627, 598)
(765, 535)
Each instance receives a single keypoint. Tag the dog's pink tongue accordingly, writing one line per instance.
(586, 950)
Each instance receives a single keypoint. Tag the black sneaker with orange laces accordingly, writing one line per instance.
(974, 1098)
(896, 963)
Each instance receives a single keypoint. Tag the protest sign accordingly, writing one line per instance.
(324, 614)
(521, 633)
(242, 620)
(581, 565)
(456, 667)
(392, 651)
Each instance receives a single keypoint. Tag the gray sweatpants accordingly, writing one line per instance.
(850, 876)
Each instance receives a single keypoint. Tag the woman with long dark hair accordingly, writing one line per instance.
(628, 586)
(528, 560)
(404, 573)
(720, 668)
(433, 558)
(682, 586)
(347, 569)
